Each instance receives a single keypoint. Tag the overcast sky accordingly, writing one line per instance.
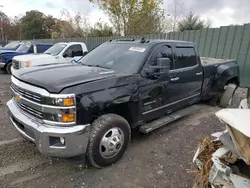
(220, 12)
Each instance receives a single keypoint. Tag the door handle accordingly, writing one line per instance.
(198, 73)
(175, 79)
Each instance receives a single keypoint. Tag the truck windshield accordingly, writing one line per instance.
(24, 47)
(55, 49)
(13, 45)
(122, 57)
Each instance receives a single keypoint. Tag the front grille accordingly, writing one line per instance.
(15, 64)
(27, 94)
(30, 110)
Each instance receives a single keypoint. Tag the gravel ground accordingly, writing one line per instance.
(160, 159)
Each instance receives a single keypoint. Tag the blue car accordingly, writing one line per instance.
(12, 46)
(6, 56)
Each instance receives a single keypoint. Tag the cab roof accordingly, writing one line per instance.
(152, 42)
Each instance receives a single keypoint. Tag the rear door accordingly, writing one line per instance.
(187, 77)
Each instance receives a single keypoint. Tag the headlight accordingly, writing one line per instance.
(59, 108)
(64, 102)
(27, 64)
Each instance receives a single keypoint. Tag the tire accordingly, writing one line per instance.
(8, 67)
(227, 96)
(104, 130)
(214, 100)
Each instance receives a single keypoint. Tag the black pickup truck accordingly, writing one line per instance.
(91, 106)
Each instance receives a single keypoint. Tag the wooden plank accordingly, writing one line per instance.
(197, 38)
(229, 42)
(214, 44)
(191, 36)
(202, 41)
(242, 55)
(222, 42)
(237, 42)
(208, 43)
(181, 36)
(186, 35)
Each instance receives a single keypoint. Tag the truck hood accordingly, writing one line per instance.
(8, 51)
(31, 57)
(55, 78)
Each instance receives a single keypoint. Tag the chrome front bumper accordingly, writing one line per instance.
(2, 64)
(44, 136)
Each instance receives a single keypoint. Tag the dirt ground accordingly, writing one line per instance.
(160, 159)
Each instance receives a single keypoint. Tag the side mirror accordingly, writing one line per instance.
(162, 67)
(65, 55)
(84, 53)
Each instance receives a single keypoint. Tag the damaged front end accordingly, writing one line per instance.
(225, 161)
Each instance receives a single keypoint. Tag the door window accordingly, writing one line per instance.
(39, 49)
(185, 57)
(76, 50)
(162, 52)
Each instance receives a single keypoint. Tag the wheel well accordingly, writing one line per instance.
(7, 64)
(234, 80)
(121, 110)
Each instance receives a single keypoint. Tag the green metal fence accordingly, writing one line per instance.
(229, 42)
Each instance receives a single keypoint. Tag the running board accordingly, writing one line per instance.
(153, 125)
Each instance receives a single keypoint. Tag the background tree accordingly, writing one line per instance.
(4, 25)
(147, 19)
(33, 25)
(100, 29)
(129, 16)
(192, 22)
(73, 25)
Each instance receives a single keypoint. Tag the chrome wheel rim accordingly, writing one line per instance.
(111, 142)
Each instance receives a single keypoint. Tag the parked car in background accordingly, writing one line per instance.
(6, 57)
(12, 46)
(90, 107)
(58, 53)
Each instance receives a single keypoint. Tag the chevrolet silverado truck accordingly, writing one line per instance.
(58, 53)
(6, 56)
(89, 108)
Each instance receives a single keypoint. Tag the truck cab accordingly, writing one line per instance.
(58, 53)
(6, 56)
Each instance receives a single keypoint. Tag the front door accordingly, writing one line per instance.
(152, 89)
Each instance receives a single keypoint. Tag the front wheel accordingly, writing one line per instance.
(109, 139)
(8, 67)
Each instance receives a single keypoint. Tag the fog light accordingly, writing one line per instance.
(62, 140)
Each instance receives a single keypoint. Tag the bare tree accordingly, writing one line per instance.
(177, 11)
(73, 25)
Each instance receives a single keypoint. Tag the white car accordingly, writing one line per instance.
(58, 53)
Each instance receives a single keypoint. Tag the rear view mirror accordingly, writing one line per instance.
(162, 67)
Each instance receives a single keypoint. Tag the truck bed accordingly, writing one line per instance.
(208, 61)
